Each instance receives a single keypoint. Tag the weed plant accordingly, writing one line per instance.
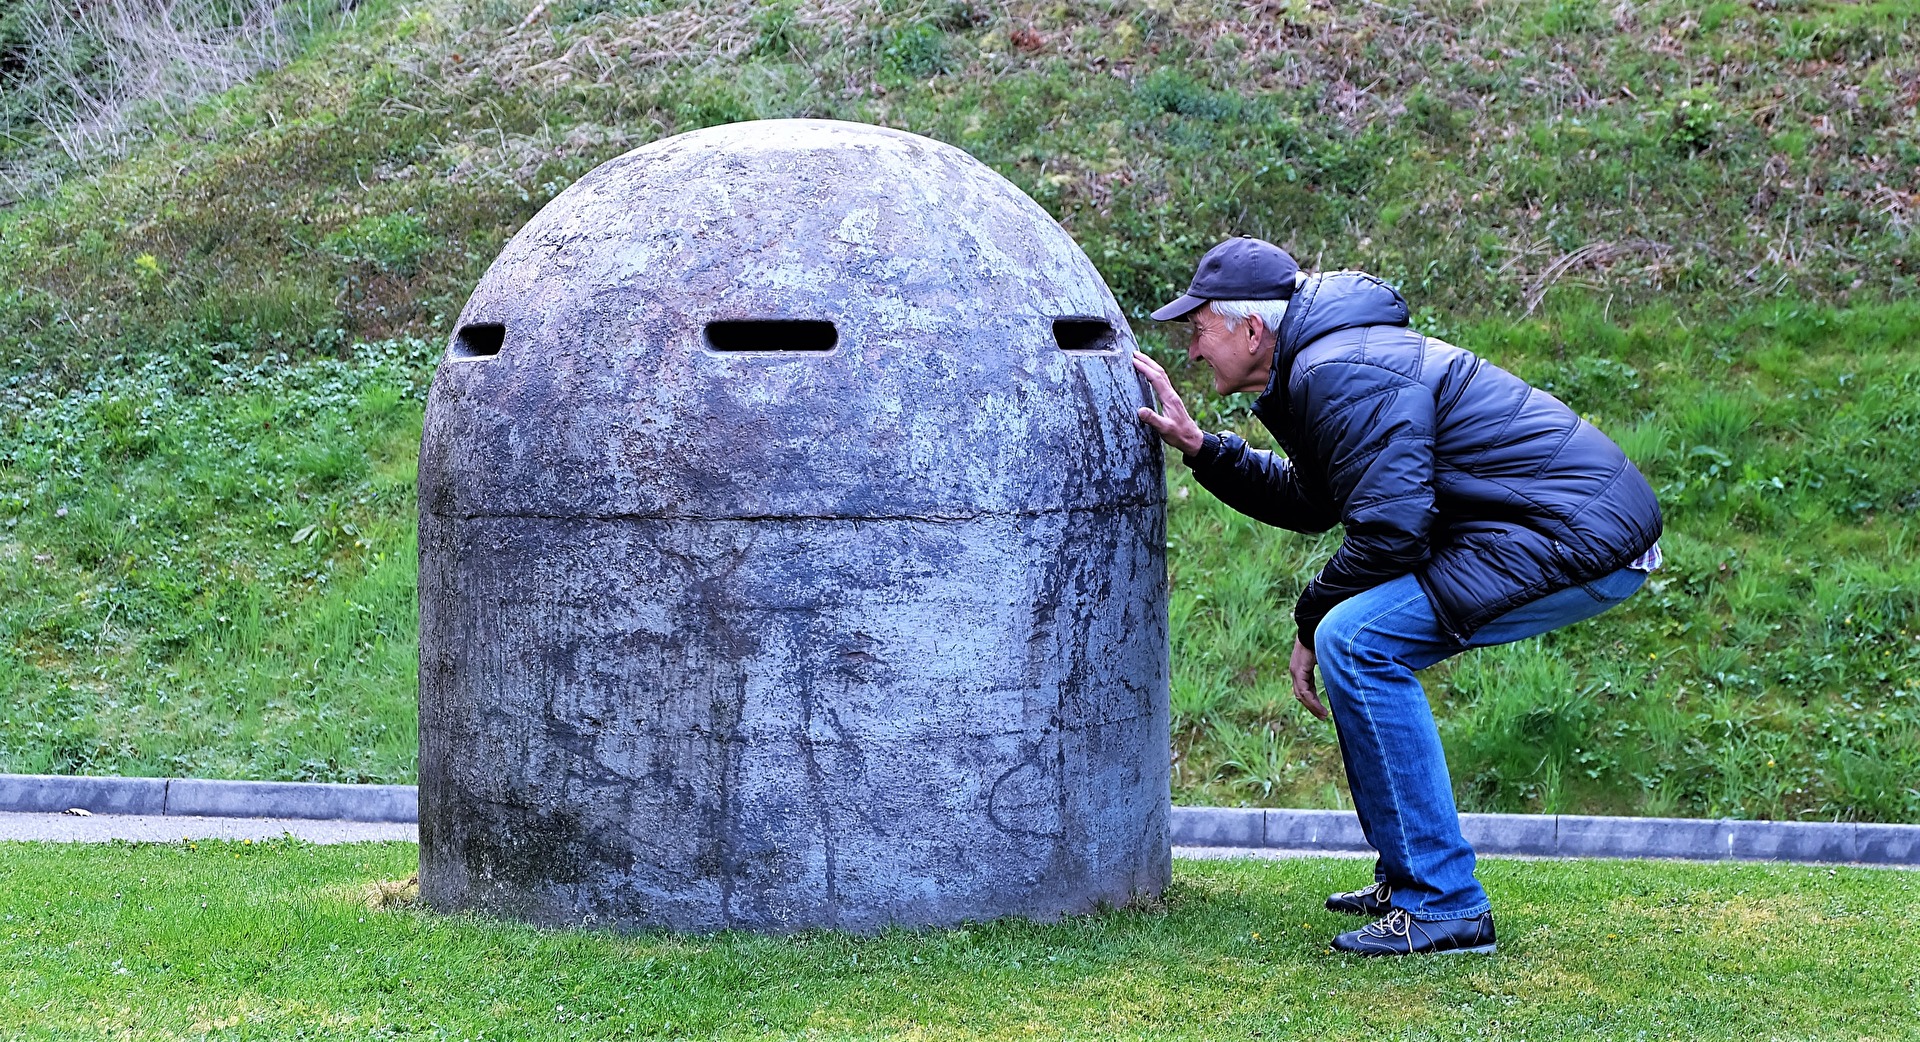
(289, 940)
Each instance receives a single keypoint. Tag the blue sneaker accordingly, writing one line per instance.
(1398, 933)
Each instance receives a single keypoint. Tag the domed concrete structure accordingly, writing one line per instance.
(790, 555)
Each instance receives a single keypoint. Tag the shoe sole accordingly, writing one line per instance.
(1479, 949)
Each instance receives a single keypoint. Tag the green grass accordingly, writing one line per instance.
(213, 574)
(277, 940)
(1693, 222)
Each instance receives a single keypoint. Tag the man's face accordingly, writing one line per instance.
(1241, 358)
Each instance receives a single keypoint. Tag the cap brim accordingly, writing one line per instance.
(1179, 309)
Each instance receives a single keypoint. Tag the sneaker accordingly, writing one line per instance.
(1370, 901)
(1398, 933)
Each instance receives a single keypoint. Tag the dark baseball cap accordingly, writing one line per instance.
(1244, 268)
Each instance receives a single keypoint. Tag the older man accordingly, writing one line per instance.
(1476, 510)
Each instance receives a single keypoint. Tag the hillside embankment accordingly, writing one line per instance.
(220, 303)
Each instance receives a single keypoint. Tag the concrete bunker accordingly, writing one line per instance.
(790, 555)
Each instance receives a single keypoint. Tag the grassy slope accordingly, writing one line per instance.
(1710, 206)
(230, 940)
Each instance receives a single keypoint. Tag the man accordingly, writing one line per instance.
(1477, 510)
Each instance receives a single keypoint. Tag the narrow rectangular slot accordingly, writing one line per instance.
(479, 340)
(1084, 334)
(772, 334)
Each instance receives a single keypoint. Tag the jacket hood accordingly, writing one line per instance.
(1328, 303)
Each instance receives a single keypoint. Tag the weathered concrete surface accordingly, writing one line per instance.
(784, 639)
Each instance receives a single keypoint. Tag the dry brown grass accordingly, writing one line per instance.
(106, 70)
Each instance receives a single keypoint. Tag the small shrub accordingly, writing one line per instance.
(777, 29)
(917, 52)
(389, 242)
(1167, 89)
(1694, 123)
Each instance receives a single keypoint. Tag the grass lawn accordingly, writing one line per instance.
(1692, 222)
(278, 940)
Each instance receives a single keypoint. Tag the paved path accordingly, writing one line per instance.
(1262, 853)
(172, 828)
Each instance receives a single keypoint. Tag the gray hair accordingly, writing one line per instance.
(1236, 312)
(1270, 311)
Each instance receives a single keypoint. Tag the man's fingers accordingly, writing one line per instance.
(1141, 358)
(1162, 386)
(1311, 699)
(1155, 375)
(1155, 420)
(1304, 691)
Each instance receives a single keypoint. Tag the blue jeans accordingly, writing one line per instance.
(1368, 649)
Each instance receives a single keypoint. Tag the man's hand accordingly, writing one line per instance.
(1174, 426)
(1302, 669)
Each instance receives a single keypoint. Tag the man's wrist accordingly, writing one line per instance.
(1204, 452)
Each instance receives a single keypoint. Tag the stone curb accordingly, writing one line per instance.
(49, 793)
(1534, 835)
(1569, 835)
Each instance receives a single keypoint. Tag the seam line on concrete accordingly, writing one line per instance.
(930, 517)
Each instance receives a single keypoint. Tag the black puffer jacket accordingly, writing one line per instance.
(1437, 462)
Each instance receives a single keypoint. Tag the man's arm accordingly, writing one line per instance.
(1253, 481)
(1258, 483)
(1374, 428)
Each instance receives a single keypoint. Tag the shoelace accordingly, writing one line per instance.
(1378, 891)
(1396, 923)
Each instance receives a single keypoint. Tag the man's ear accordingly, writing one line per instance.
(1256, 331)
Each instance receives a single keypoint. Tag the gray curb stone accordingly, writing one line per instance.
(1570, 835)
(47, 793)
(226, 799)
(1219, 826)
(53, 793)
(1302, 829)
(1531, 835)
